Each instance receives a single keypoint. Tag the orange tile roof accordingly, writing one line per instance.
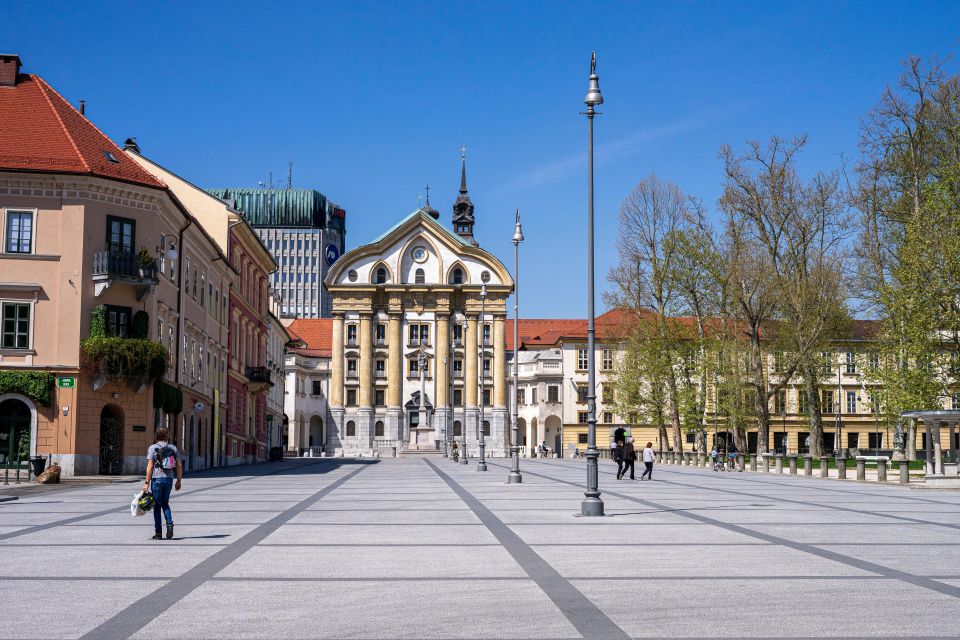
(316, 333)
(40, 131)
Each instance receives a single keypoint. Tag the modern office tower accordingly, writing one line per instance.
(304, 232)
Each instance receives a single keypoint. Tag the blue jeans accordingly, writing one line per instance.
(161, 488)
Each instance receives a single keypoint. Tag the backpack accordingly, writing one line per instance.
(165, 457)
(618, 454)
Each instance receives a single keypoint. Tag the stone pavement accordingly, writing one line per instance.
(341, 548)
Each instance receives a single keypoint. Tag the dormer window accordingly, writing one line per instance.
(418, 277)
(381, 276)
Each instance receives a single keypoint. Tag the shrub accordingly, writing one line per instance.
(167, 397)
(131, 357)
(32, 384)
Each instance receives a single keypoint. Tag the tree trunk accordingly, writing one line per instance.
(674, 411)
(663, 435)
(813, 406)
(911, 439)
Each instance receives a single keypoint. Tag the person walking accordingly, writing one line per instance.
(163, 465)
(618, 457)
(629, 458)
(648, 458)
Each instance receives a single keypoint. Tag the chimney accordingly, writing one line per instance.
(83, 107)
(9, 68)
(130, 144)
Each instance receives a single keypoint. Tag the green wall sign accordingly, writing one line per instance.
(66, 382)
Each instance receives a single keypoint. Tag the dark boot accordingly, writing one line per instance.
(169, 531)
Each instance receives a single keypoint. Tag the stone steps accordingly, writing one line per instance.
(421, 453)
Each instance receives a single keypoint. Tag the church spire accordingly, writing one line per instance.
(462, 207)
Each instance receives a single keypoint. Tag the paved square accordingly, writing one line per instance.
(411, 548)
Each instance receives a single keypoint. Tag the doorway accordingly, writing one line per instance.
(15, 419)
(111, 440)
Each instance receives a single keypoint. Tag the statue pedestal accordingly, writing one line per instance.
(422, 439)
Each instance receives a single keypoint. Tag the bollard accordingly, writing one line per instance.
(753, 462)
(766, 462)
(808, 465)
(697, 457)
(824, 466)
(793, 465)
(740, 462)
(861, 468)
(881, 469)
(841, 468)
(904, 472)
(706, 460)
(6, 471)
(779, 464)
(18, 470)
(686, 458)
(658, 457)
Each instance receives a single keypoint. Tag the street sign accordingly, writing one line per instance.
(332, 253)
(66, 382)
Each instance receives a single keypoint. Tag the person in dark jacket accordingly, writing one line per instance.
(629, 458)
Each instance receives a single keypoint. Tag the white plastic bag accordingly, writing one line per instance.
(135, 509)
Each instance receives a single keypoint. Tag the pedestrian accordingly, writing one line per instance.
(163, 464)
(629, 458)
(618, 457)
(648, 458)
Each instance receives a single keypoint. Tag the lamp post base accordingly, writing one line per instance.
(514, 478)
(591, 507)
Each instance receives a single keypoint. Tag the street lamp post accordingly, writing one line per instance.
(482, 465)
(836, 444)
(515, 477)
(463, 425)
(446, 419)
(592, 505)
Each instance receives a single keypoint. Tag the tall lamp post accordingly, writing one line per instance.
(463, 425)
(446, 419)
(592, 505)
(515, 477)
(836, 445)
(482, 465)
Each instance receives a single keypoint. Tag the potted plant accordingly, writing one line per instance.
(146, 264)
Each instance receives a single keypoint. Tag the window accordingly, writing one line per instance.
(381, 333)
(457, 277)
(194, 287)
(457, 368)
(874, 360)
(351, 367)
(780, 405)
(381, 276)
(351, 397)
(19, 232)
(582, 359)
(607, 391)
(606, 361)
(803, 401)
(418, 277)
(582, 438)
(380, 368)
(607, 417)
(457, 398)
(316, 388)
(351, 429)
(352, 334)
(118, 321)
(457, 334)
(826, 402)
(826, 361)
(203, 289)
(553, 393)
(851, 363)
(121, 235)
(486, 397)
(581, 393)
(582, 417)
(160, 331)
(486, 367)
(778, 362)
(379, 398)
(414, 367)
(486, 334)
(853, 440)
(425, 334)
(955, 401)
(875, 403)
(851, 401)
(457, 429)
(875, 440)
(16, 325)
(521, 397)
(378, 429)
(186, 280)
(486, 428)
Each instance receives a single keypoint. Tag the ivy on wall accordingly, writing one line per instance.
(32, 384)
(167, 397)
(98, 322)
(125, 357)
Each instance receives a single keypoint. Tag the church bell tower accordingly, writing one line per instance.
(463, 207)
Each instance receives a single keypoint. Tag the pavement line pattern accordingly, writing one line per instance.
(105, 512)
(863, 512)
(136, 616)
(856, 563)
(583, 614)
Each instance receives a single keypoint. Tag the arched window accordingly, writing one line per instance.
(457, 431)
(378, 429)
(486, 428)
(351, 429)
(418, 277)
(381, 276)
(457, 276)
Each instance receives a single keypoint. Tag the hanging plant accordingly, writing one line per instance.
(167, 397)
(32, 384)
(131, 357)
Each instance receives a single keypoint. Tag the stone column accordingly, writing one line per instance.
(824, 466)
(336, 382)
(394, 378)
(904, 472)
(498, 421)
(861, 468)
(470, 388)
(531, 445)
(442, 424)
(881, 469)
(807, 465)
(365, 399)
(793, 464)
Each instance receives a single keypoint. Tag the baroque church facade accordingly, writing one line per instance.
(418, 354)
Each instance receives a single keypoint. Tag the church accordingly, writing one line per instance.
(418, 347)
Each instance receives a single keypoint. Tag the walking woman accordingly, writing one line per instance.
(648, 458)
(163, 464)
(629, 457)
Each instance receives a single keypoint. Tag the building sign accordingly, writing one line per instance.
(332, 253)
(66, 382)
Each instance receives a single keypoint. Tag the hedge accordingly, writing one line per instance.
(32, 384)
(131, 357)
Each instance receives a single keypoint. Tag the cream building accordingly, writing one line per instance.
(418, 340)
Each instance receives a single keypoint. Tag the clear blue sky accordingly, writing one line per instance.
(371, 100)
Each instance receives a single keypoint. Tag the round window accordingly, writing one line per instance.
(420, 254)
(352, 275)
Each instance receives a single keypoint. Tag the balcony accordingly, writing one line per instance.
(258, 379)
(114, 267)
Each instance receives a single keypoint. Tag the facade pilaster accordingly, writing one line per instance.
(394, 425)
(441, 417)
(365, 415)
(470, 366)
(336, 366)
(499, 431)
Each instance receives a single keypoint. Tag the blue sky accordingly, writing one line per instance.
(372, 100)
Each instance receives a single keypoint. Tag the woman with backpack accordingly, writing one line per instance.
(163, 464)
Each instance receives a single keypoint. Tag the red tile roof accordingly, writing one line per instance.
(317, 333)
(40, 131)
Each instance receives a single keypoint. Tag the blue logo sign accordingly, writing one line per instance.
(332, 253)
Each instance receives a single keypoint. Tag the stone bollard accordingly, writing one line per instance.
(753, 462)
(706, 460)
(881, 469)
(824, 466)
(793, 464)
(696, 457)
(904, 472)
(779, 464)
(686, 458)
(740, 462)
(861, 468)
(766, 462)
(807, 465)
(841, 468)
